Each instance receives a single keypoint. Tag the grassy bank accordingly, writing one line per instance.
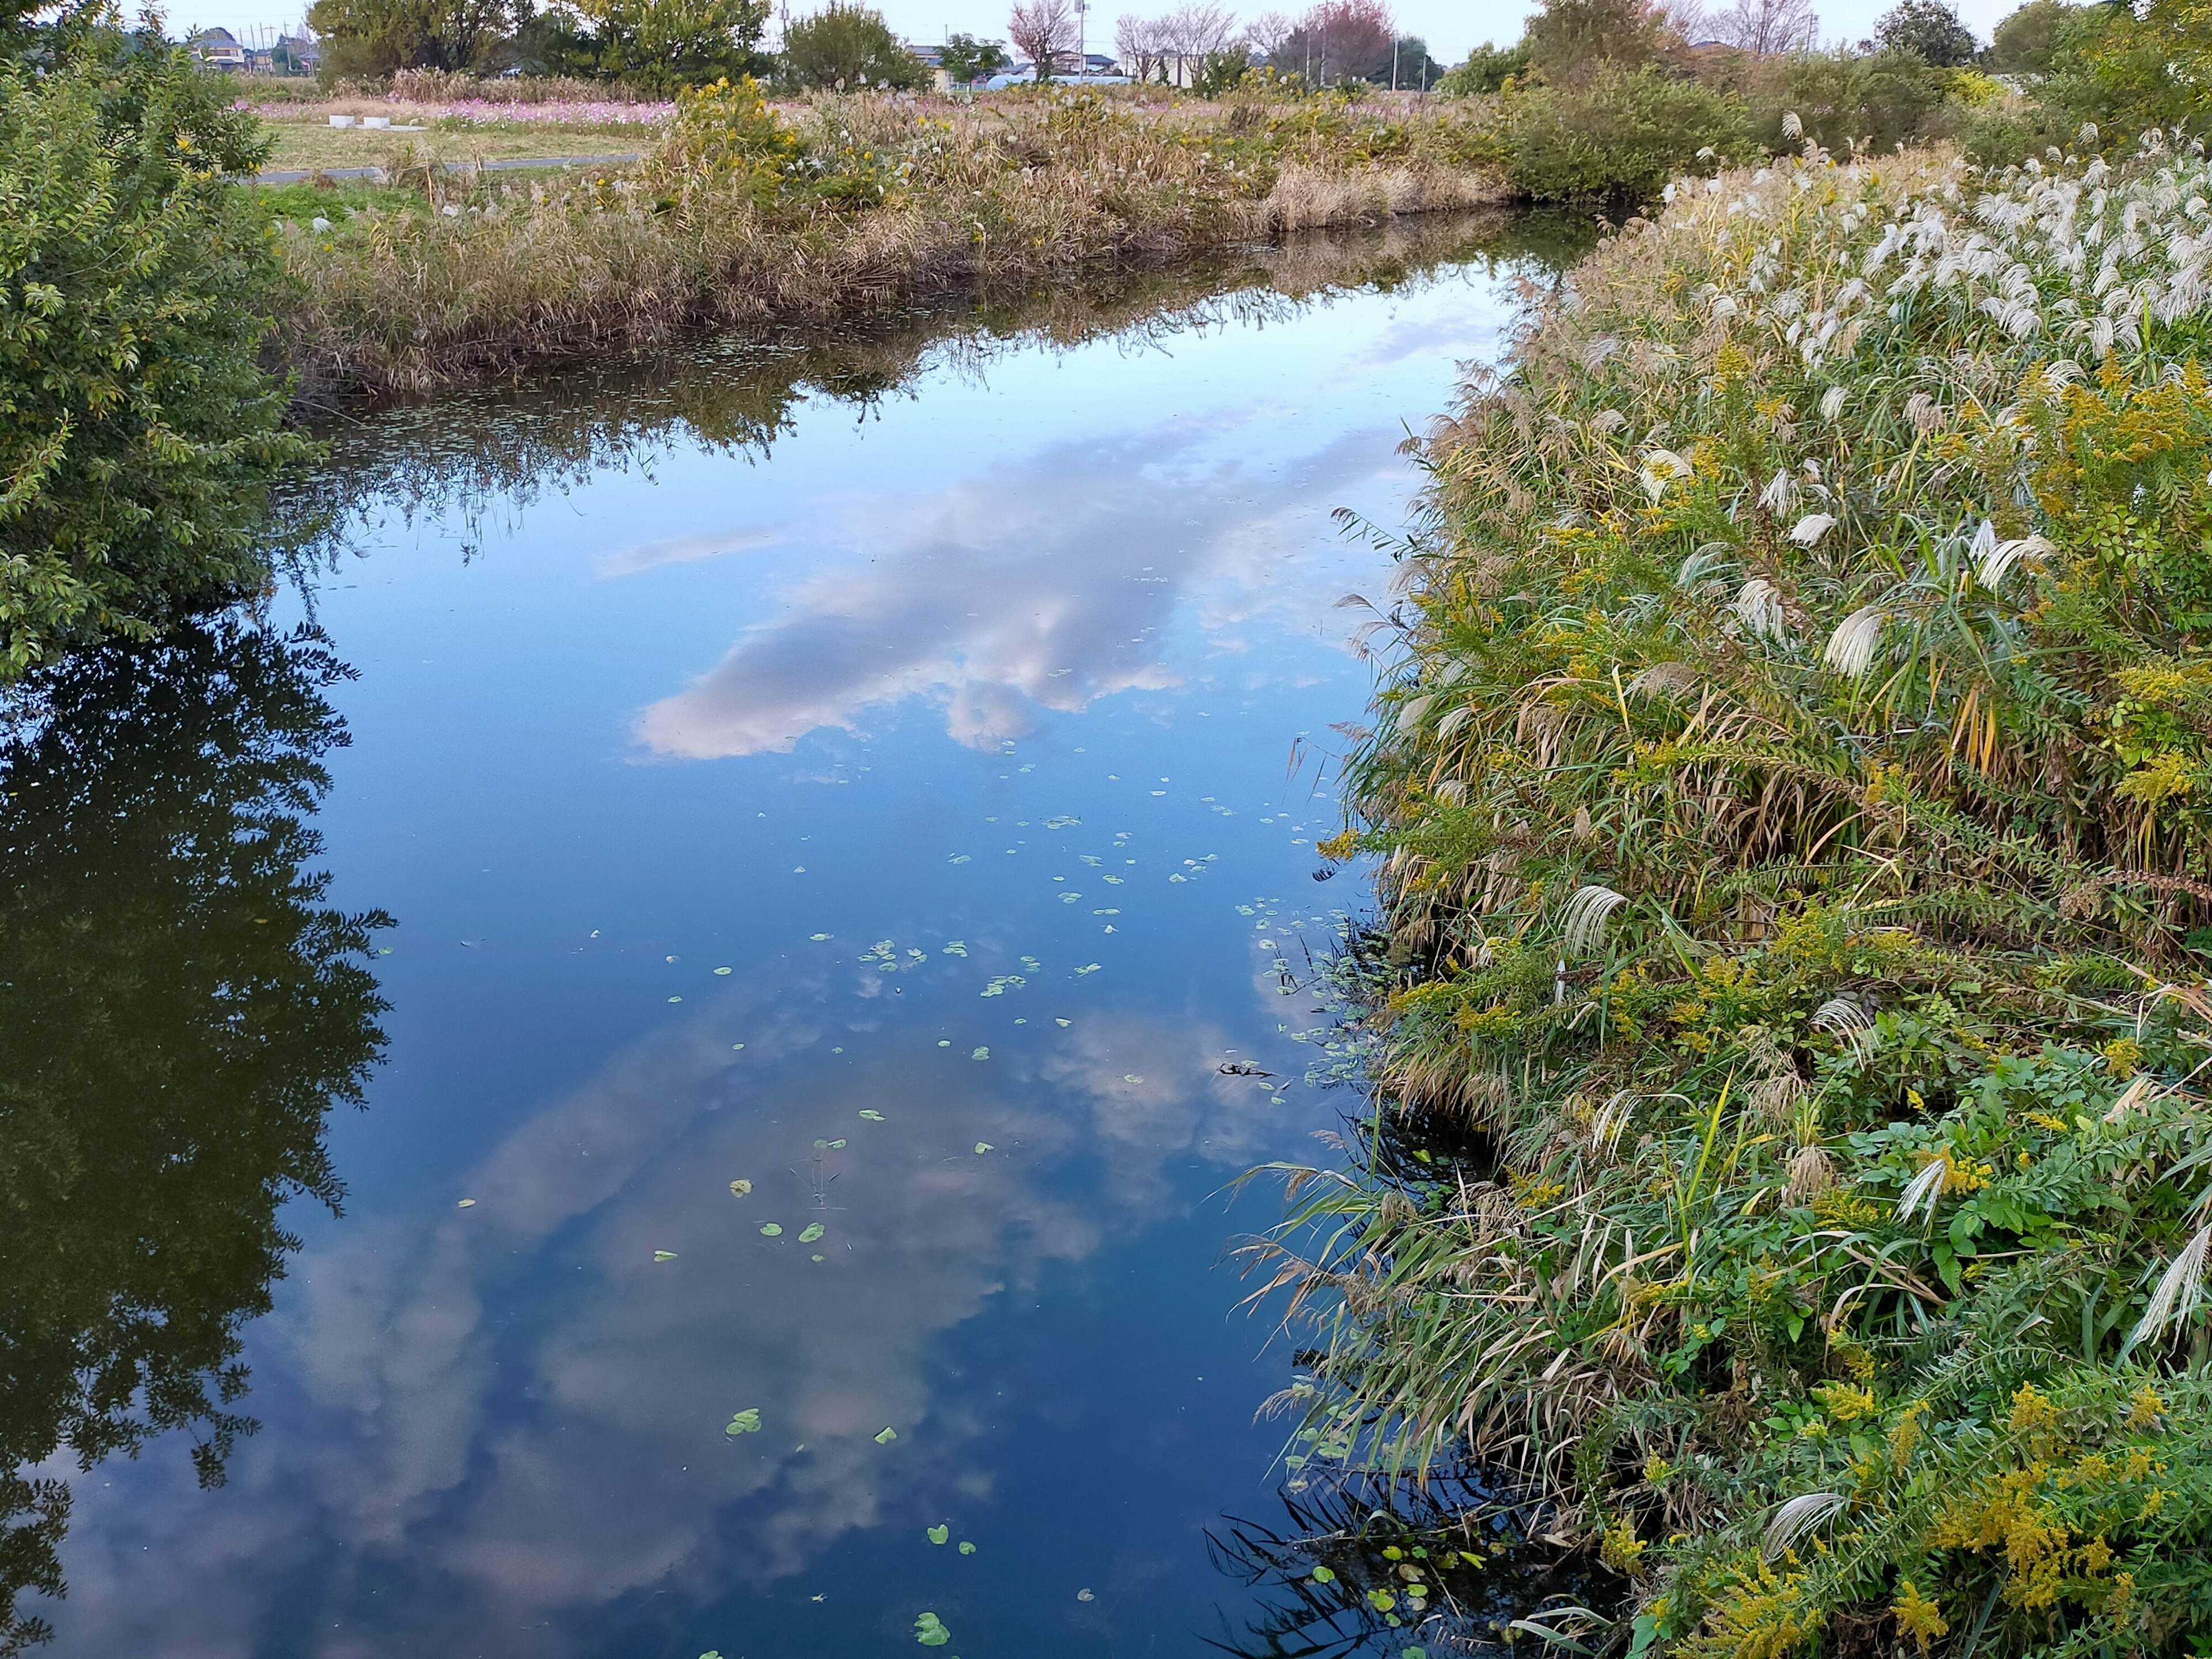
(840, 208)
(1794, 801)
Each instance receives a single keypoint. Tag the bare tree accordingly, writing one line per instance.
(1138, 40)
(1268, 31)
(1044, 29)
(1196, 27)
(1764, 29)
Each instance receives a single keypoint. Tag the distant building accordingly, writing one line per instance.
(218, 49)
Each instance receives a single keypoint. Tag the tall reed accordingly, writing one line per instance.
(1793, 795)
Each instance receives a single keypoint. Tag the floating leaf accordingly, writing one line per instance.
(945, 1042)
(745, 1422)
(736, 1045)
(468, 1204)
(770, 1230)
(981, 1147)
(955, 948)
(940, 1532)
(929, 1630)
(871, 1114)
(887, 1437)
(664, 1255)
(1090, 968)
(1063, 1024)
(1131, 1077)
(817, 937)
(960, 858)
(676, 998)
(814, 1230)
(980, 1054)
(967, 1548)
(1324, 1576)
(1084, 1596)
(740, 1187)
(828, 1146)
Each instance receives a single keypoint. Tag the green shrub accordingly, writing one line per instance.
(1488, 69)
(138, 435)
(1795, 797)
(1877, 100)
(1620, 135)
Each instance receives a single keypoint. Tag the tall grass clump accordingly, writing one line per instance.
(845, 205)
(1793, 798)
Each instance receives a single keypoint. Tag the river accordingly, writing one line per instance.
(675, 1020)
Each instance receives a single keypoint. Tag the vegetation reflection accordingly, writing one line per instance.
(182, 1009)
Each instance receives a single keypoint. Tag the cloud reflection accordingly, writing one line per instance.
(1042, 584)
(441, 1471)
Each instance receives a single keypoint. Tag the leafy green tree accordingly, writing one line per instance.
(1569, 40)
(1930, 30)
(965, 59)
(1488, 69)
(375, 37)
(2128, 73)
(658, 46)
(2025, 40)
(182, 1011)
(138, 434)
(849, 45)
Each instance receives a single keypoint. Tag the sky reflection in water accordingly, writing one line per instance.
(1004, 673)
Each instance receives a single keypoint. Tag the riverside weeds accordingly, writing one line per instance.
(851, 204)
(1793, 792)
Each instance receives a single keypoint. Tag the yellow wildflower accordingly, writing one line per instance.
(1918, 1617)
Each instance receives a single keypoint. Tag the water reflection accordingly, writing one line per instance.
(181, 1012)
(471, 460)
(1052, 631)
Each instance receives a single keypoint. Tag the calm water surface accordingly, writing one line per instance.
(886, 777)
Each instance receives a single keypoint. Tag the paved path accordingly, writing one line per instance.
(458, 167)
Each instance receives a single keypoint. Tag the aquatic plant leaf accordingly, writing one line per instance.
(740, 1187)
(871, 1114)
(747, 1421)
(467, 1204)
(930, 1630)
(1324, 1576)
(966, 1548)
(813, 1230)
(770, 1230)
(940, 1532)
(980, 1054)
(887, 1437)
(981, 1147)
(664, 1255)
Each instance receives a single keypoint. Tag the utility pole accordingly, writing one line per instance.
(1393, 65)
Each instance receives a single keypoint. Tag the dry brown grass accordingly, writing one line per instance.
(834, 209)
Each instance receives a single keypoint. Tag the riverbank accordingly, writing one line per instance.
(848, 207)
(1795, 879)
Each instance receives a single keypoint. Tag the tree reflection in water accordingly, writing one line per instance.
(179, 1010)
